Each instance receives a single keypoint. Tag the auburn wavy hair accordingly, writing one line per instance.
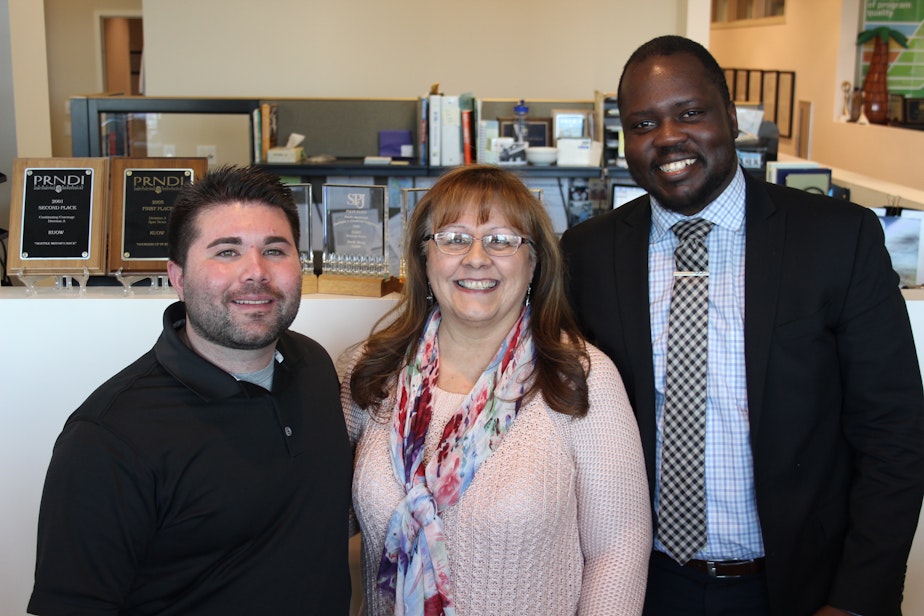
(560, 371)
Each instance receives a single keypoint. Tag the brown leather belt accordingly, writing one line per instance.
(727, 568)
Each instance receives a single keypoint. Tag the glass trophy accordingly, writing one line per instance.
(301, 193)
(355, 232)
(410, 197)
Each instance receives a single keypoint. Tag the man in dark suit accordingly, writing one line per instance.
(814, 414)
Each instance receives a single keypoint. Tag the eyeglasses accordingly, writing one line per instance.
(458, 244)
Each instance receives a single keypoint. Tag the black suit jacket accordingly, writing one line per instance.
(834, 388)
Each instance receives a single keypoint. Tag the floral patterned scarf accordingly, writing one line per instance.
(415, 564)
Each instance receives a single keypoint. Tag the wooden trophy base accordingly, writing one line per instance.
(309, 284)
(395, 285)
(334, 284)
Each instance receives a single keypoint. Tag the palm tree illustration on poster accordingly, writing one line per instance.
(891, 40)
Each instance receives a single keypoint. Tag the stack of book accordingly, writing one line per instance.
(452, 131)
(265, 131)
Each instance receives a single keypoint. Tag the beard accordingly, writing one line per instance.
(719, 173)
(214, 322)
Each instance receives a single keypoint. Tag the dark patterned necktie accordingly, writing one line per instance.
(682, 496)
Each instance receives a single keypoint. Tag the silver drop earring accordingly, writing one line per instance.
(430, 298)
(529, 290)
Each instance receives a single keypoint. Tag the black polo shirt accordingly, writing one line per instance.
(176, 489)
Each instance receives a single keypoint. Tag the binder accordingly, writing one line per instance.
(451, 134)
(435, 130)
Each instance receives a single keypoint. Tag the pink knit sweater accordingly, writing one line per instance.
(556, 522)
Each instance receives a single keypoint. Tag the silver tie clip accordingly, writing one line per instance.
(690, 274)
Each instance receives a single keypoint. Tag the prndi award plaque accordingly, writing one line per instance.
(58, 216)
(142, 197)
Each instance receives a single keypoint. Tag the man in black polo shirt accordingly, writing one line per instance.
(211, 476)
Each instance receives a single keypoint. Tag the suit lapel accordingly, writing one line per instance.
(764, 244)
(631, 259)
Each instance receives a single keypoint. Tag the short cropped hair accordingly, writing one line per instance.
(223, 186)
(673, 44)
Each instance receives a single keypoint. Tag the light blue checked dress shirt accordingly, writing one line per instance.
(732, 526)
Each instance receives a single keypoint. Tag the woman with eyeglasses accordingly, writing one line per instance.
(498, 467)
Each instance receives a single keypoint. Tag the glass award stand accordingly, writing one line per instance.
(63, 281)
(159, 281)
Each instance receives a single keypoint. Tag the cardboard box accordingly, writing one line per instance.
(580, 152)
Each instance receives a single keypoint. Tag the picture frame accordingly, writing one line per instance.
(914, 111)
(896, 108)
(538, 130)
(572, 123)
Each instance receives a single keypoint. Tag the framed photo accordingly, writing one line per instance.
(572, 123)
(896, 108)
(914, 111)
(538, 130)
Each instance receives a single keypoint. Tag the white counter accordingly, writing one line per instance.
(56, 348)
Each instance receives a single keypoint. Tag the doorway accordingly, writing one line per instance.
(123, 47)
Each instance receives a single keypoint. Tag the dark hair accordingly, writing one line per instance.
(223, 186)
(560, 353)
(673, 44)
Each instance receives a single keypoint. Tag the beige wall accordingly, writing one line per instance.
(359, 48)
(30, 91)
(73, 40)
(817, 41)
(27, 90)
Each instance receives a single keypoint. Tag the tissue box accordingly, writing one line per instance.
(285, 155)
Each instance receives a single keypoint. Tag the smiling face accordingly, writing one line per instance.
(242, 279)
(679, 131)
(477, 290)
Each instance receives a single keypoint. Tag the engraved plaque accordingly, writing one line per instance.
(355, 228)
(58, 214)
(142, 197)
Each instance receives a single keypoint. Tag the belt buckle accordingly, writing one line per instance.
(712, 568)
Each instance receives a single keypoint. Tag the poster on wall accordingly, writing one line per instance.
(906, 65)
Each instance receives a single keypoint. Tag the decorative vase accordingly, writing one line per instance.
(875, 85)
